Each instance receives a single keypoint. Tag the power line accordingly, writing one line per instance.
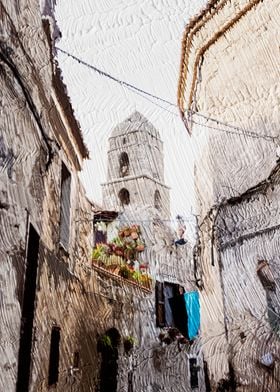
(144, 94)
(107, 75)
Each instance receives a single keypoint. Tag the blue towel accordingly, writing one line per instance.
(193, 311)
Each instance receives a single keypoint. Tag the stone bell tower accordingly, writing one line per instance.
(135, 168)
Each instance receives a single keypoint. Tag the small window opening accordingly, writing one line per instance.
(157, 201)
(124, 164)
(54, 356)
(265, 275)
(124, 140)
(194, 372)
(65, 206)
(100, 233)
(130, 381)
(124, 196)
(76, 360)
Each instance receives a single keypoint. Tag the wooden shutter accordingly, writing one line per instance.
(160, 310)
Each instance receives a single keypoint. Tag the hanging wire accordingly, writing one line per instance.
(145, 94)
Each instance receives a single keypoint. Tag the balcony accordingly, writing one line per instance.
(121, 258)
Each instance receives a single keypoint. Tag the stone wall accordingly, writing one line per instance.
(228, 94)
(38, 135)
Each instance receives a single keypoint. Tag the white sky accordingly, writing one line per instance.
(138, 41)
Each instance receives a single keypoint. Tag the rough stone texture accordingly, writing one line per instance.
(230, 86)
(38, 133)
(36, 137)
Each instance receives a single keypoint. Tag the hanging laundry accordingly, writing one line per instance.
(193, 311)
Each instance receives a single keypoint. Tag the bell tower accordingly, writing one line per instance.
(135, 168)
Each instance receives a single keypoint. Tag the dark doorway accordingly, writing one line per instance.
(109, 363)
(28, 307)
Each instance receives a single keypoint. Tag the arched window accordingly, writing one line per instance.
(157, 201)
(124, 164)
(124, 196)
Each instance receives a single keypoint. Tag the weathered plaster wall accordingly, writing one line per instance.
(247, 232)
(229, 88)
(33, 131)
(36, 137)
(239, 87)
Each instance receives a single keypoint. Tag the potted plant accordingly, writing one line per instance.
(146, 280)
(134, 235)
(126, 231)
(140, 246)
(128, 343)
(137, 276)
(104, 343)
(125, 271)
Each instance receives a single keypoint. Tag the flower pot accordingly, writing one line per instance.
(126, 232)
(134, 235)
(140, 248)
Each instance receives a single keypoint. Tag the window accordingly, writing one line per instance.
(76, 360)
(124, 164)
(170, 306)
(100, 237)
(54, 356)
(193, 373)
(157, 201)
(65, 206)
(130, 381)
(100, 233)
(28, 306)
(124, 196)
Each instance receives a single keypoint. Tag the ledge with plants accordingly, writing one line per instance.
(122, 256)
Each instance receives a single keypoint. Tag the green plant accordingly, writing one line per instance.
(106, 341)
(146, 280)
(125, 272)
(128, 343)
(140, 246)
(137, 276)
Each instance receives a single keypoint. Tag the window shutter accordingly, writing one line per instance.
(160, 311)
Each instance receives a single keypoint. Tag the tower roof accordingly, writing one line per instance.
(136, 122)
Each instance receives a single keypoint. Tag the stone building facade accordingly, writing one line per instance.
(228, 94)
(43, 209)
(55, 305)
(135, 170)
(153, 366)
